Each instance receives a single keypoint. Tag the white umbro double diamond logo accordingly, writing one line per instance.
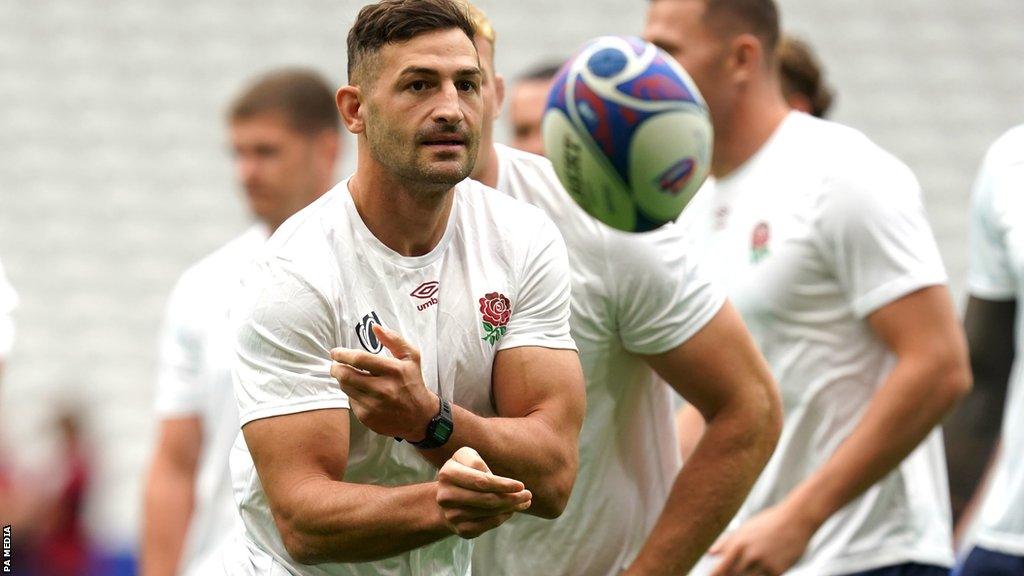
(426, 292)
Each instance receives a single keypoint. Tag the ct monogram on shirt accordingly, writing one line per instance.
(496, 311)
(759, 242)
(364, 331)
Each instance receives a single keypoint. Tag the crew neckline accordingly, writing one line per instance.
(387, 253)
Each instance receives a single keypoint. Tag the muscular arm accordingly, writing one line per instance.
(972, 431)
(721, 373)
(170, 495)
(931, 374)
(540, 399)
(301, 460)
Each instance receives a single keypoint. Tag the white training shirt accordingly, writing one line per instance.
(816, 231)
(8, 302)
(997, 273)
(326, 279)
(632, 294)
(196, 356)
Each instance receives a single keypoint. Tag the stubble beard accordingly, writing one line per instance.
(407, 160)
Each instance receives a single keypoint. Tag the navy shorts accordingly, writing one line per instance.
(909, 569)
(981, 562)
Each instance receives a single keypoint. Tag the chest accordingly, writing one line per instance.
(764, 246)
(455, 311)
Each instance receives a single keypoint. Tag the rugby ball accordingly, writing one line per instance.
(628, 133)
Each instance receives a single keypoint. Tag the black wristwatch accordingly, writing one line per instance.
(439, 429)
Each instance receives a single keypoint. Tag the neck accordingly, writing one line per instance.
(407, 217)
(755, 117)
(486, 169)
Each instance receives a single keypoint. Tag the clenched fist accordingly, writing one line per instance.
(472, 499)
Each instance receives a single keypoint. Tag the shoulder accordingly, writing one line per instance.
(1006, 153)
(855, 172)
(509, 216)
(222, 266)
(1009, 146)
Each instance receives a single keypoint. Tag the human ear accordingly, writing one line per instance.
(351, 108)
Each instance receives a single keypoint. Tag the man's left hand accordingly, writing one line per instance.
(766, 545)
(386, 394)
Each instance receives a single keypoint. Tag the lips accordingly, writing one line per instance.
(444, 141)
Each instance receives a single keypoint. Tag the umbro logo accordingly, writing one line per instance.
(428, 292)
(364, 331)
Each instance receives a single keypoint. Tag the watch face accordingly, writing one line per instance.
(442, 430)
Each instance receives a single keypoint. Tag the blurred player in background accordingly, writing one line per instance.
(804, 88)
(284, 132)
(820, 238)
(993, 323)
(484, 376)
(803, 78)
(8, 302)
(639, 304)
(527, 99)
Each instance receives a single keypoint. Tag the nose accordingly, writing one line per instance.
(449, 105)
(246, 167)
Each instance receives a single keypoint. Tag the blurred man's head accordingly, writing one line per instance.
(803, 78)
(725, 45)
(493, 88)
(729, 48)
(284, 134)
(529, 97)
(414, 91)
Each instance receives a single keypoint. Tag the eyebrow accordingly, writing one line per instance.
(414, 70)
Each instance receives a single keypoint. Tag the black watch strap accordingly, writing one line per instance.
(440, 428)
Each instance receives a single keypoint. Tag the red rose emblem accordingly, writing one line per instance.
(496, 311)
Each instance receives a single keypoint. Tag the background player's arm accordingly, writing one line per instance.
(301, 460)
(170, 495)
(931, 374)
(720, 372)
(972, 431)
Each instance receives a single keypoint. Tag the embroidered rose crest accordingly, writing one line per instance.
(496, 311)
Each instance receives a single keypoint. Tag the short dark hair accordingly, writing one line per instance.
(301, 94)
(541, 72)
(757, 17)
(802, 73)
(396, 21)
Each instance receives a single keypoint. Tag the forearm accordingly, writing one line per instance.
(709, 489)
(542, 455)
(909, 405)
(168, 505)
(331, 521)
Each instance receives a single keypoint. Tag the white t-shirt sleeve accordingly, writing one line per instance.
(540, 314)
(8, 302)
(990, 273)
(179, 368)
(877, 236)
(661, 295)
(284, 330)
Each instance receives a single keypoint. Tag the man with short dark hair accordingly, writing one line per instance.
(820, 238)
(444, 307)
(285, 140)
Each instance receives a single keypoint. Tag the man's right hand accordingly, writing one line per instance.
(472, 499)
